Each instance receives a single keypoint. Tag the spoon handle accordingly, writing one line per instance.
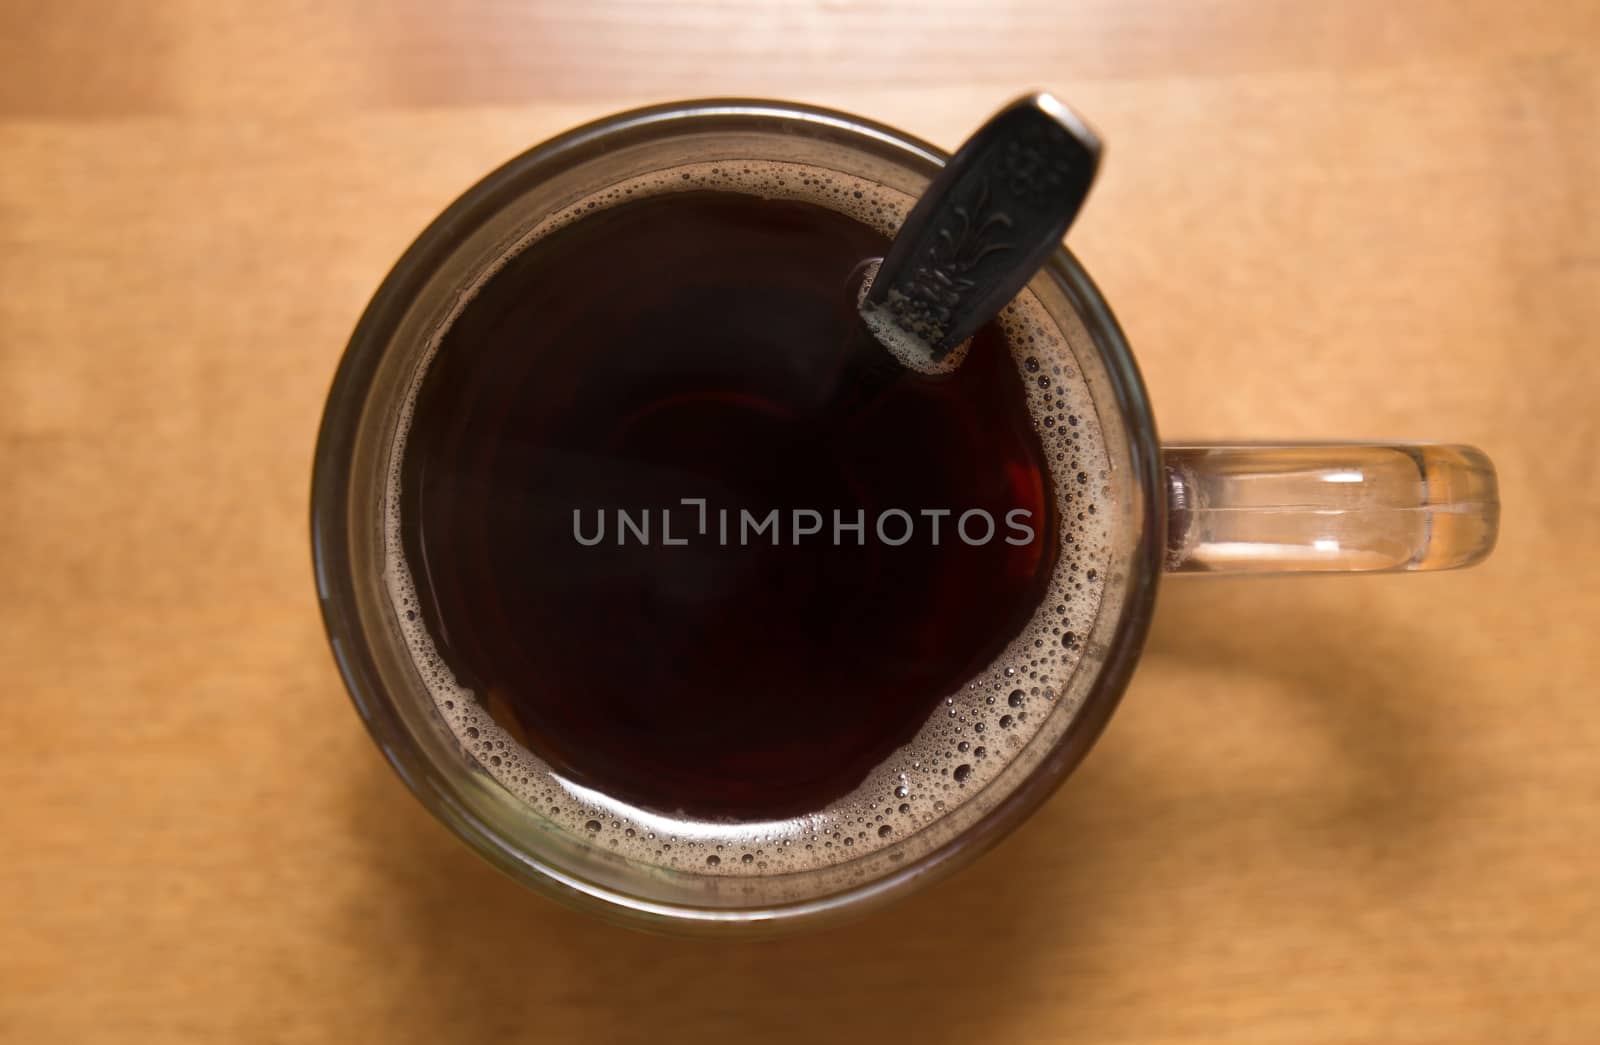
(985, 225)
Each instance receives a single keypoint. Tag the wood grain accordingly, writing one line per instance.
(1329, 811)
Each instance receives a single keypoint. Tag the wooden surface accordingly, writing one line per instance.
(1351, 810)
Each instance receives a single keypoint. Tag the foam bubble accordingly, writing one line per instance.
(946, 766)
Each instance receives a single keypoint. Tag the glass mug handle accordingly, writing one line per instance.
(1328, 508)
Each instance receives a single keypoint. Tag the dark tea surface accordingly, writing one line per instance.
(691, 346)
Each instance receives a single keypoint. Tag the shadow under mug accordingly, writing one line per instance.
(1188, 509)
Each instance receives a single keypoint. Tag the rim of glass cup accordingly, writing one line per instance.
(331, 496)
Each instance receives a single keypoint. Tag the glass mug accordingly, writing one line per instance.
(1236, 508)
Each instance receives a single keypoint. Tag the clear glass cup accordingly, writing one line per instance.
(1186, 509)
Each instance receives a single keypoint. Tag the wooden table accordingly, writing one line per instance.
(1353, 810)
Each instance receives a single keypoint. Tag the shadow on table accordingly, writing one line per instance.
(468, 955)
(459, 953)
(1376, 774)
